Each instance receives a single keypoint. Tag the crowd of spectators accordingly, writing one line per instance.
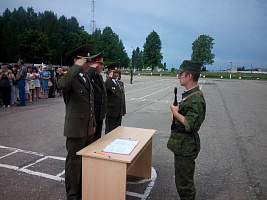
(39, 82)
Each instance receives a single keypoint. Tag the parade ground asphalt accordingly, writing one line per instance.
(232, 163)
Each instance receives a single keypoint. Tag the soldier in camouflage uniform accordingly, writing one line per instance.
(184, 141)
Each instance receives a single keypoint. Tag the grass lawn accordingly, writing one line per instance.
(219, 75)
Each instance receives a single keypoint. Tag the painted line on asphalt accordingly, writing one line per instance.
(9, 154)
(142, 83)
(155, 92)
(142, 89)
(15, 149)
(58, 176)
(200, 86)
(149, 100)
(159, 101)
(149, 187)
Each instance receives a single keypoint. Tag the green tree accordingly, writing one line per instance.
(111, 41)
(152, 56)
(133, 59)
(13, 27)
(34, 46)
(241, 68)
(164, 66)
(3, 21)
(63, 36)
(124, 59)
(32, 19)
(96, 40)
(112, 46)
(202, 50)
(139, 59)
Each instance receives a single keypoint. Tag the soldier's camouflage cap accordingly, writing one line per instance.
(190, 66)
(83, 52)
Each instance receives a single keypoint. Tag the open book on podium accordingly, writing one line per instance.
(121, 146)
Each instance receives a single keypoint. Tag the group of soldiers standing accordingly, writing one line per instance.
(89, 100)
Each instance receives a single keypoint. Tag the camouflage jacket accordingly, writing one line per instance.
(193, 109)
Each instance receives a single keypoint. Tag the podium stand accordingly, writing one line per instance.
(104, 174)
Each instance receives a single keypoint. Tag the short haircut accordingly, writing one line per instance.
(35, 68)
(195, 75)
(4, 68)
(21, 62)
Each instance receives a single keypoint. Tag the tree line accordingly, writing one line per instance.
(45, 38)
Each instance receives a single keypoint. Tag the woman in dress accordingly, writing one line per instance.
(45, 76)
(32, 86)
(36, 78)
(40, 69)
(28, 82)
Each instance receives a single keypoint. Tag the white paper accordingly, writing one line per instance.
(121, 146)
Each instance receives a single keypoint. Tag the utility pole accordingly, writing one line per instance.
(93, 22)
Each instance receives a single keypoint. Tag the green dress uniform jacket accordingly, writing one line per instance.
(184, 140)
(100, 93)
(115, 98)
(79, 99)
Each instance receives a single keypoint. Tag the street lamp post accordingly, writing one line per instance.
(132, 68)
(231, 71)
(133, 57)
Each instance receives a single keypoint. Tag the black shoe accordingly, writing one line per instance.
(20, 105)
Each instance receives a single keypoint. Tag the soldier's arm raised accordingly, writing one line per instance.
(66, 81)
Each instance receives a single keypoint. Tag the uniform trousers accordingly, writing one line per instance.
(112, 123)
(73, 166)
(98, 129)
(184, 176)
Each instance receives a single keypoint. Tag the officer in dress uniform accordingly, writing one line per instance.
(100, 92)
(80, 123)
(184, 141)
(116, 107)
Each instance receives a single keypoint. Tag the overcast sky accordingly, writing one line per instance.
(239, 27)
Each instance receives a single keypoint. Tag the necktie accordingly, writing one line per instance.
(117, 82)
(84, 78)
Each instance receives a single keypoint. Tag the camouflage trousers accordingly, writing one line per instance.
(184, 176)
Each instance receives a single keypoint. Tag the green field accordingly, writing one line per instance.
(219, 75)
(238, 75)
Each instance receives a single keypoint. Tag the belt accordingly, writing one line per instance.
(181, 130)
